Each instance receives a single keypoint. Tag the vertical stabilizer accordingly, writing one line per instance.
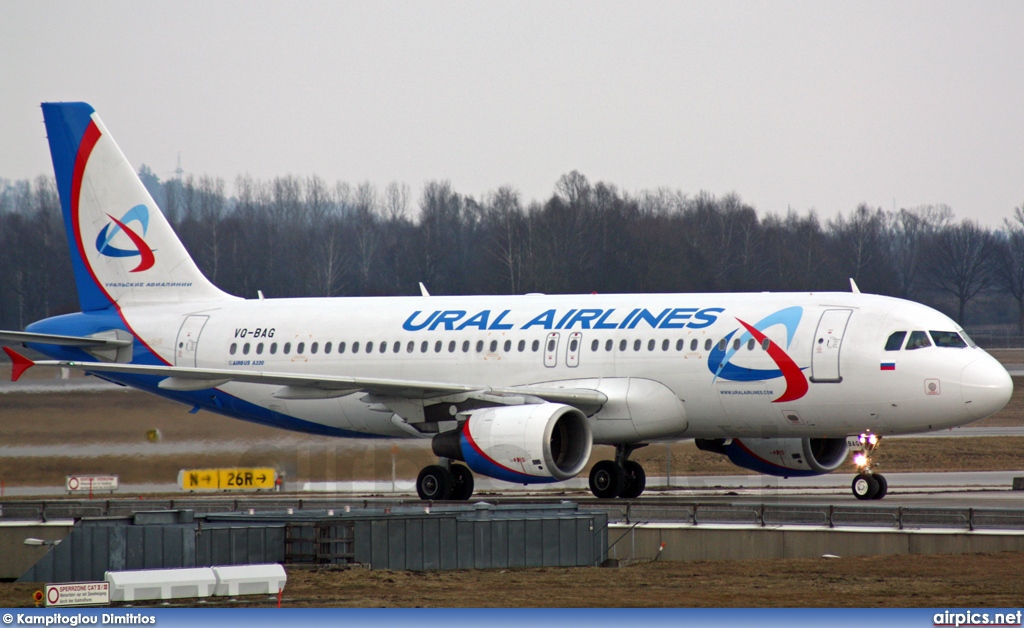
(123, 250)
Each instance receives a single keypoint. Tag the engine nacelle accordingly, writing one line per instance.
(785, 457)
(526, 444)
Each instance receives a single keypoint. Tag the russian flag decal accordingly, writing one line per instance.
(888, 366)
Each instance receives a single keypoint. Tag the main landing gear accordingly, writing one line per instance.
(445, 481)
(868, 484)
(621, 477)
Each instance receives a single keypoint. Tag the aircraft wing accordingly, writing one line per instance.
(297, 386)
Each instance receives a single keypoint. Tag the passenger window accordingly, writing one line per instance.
(722, 344)
(693, 345)
(650, 344)
(259, 349)
(573, 345)
(409, 348)
(451, 347)
(479, 346)
(895, 341)
(750, 344)
(522, 346)
(622, 345)
(313, 348)
(508, 346)
(664, 345)
(609, 344)
(493, 347)
(636, 344)
(341, 347)
(918, 340)
(679, 344)
(707, 345)
(327, 347)
(765, 344)
(551, 345)
(397, 348)
(273, 348)
(300, 348)
(426, 345)
(369, 347)
(465, 346)
(535, 346)
(384, 346)
(245, 348)
(948, 339)
(355, 347)
(234, 348)
(736, 345)
(595, 345)
(287, 348)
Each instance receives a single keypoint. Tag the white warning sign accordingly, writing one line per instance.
(78, 594)
(89, 483)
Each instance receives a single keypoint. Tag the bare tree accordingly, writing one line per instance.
(507, 225)
(907, 234)
(1010, 266)
(396, 201)
(962, 262)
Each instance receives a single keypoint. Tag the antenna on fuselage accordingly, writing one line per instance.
(853, 286)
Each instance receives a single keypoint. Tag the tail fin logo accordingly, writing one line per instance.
(139, 214)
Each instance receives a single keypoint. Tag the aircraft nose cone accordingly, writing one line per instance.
(986, 387)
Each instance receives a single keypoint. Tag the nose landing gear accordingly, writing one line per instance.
(868, 484)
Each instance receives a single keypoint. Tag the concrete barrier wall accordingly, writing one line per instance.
(687, 542)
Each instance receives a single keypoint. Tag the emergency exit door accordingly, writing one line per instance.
(828, 343)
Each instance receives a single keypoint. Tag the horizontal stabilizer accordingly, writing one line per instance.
(64, 341)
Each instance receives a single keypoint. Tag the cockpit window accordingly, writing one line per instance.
(918, 340)
(895, 341)
(970, 342)
(947, 339)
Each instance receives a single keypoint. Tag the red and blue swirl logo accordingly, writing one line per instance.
(720, 358)
(138, 214)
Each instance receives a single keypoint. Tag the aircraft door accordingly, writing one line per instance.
(572, 352)
(828, 340)
(188, 340)
(551, 350)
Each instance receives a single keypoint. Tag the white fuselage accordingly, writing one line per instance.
(640, 349)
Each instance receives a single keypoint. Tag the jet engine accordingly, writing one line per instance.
(783, 457)
(525, 444)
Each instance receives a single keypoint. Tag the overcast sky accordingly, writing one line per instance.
(806, 105)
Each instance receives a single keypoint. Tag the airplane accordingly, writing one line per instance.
(517, 388)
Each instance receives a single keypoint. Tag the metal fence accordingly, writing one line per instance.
(830, 516)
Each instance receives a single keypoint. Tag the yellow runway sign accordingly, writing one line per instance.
(237, 479)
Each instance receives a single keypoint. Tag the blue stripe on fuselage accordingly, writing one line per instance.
(88, 323)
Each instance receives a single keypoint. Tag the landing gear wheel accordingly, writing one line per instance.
(883, 486)
(462, 489)
(434, 483)
(865, 486)
(607, 479)
(636, 480)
